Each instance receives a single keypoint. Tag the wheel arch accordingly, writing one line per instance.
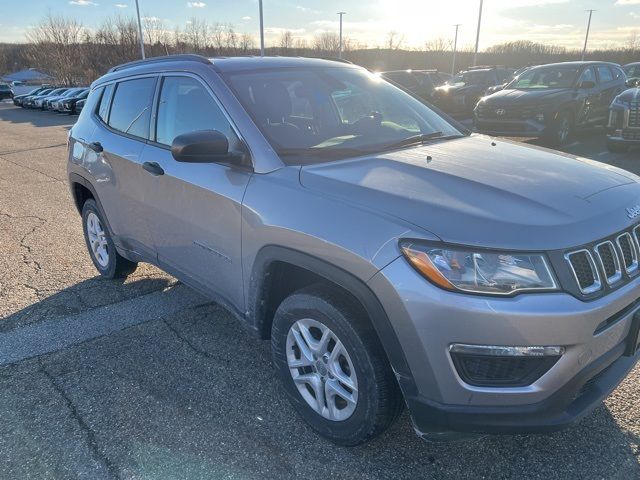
(266, 279)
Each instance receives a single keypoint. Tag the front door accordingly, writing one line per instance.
(195, 207)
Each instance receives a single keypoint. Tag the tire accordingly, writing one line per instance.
(614, 147)
(376, 402)
(108, 262)
(561, 131)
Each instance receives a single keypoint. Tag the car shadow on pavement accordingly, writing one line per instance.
(193, 395)
(37, 118)
(86, 295)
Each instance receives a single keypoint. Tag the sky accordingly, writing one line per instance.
(557, 22)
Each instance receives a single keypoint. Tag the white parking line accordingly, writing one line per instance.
(56, 334)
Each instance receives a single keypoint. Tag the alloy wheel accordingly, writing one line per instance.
(97, 240)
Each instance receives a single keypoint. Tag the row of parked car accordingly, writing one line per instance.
(62, 100)
(550, 101)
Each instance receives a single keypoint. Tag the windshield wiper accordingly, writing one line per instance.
(417, 140)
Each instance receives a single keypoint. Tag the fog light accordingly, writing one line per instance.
(503, 366)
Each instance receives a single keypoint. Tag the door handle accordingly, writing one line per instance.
(153, 168)
(96, 147)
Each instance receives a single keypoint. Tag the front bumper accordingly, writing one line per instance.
(509, 128)
(623, 127)
(427, 320)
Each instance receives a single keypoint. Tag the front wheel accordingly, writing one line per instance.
(333, 367)
(615, 147)
(560, 132)
(101, 248)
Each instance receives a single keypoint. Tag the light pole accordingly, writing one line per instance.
(340, 51)
(586, 38)
(261, 30)
(140, 30)
(475, 53)
(455, 49)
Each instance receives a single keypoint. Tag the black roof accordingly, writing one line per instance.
(575, 64)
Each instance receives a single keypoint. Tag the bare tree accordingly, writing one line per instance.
(286, 40)
(55, 44)
(393, 41)
(196, 35)
(327, 42)
(246, 43)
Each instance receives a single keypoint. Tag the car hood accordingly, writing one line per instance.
(510, 96)
(630, 95)
(484, 192)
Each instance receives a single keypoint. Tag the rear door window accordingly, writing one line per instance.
(131, 106)
(105, 101)
(605, 74)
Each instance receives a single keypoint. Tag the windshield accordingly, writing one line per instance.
(4, 87)
(547, 77)
(473, 77)
(314, 114)
(632, 71)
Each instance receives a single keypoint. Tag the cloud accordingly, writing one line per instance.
(82, 3)
(121, 5)
(628, 2)
(196, 4)
(281, 30)
(245, 19)
(307, 9)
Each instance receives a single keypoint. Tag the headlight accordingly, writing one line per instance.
(619, 101)
(477, 271)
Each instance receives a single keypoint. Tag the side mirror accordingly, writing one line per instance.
(587, 84)
(202, 146)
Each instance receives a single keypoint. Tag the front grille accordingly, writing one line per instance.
(485, 111)
(631, 135)
(584, 270)
(611, 260)
(629, 252)
(634, 114)
(608, 259)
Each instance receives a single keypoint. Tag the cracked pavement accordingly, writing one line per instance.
(186, 393)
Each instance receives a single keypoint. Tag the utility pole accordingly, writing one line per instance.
(475, 53)
(261, 30)
(140, 30)
(340, 51)
(455, 49)
(586, 38)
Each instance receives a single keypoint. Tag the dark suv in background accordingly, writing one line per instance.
(5, 91)
(422, 83)
(460, 94)
(551, 101)
(623, 129)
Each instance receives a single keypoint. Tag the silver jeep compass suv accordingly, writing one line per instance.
(391, 257)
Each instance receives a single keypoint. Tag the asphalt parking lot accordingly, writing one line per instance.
(148, 380)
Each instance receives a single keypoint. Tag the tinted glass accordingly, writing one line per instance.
(474, 77)
(131, 106)
(632, 71)
(404, 79)
(588, 75)
(186, 106)
(105, 99)
(350, 111)
(605, 74)
(546, 77)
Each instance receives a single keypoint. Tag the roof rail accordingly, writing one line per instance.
(188, 57)
(335, 59)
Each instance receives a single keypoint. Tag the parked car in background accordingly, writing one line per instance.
(421, 83)
(497, 88)
(632, 70)
(54, 103)
(79, 106)
(29, 100)
(39, 101)
(18, 99)
(48, 102)
(460, 94)
(5, 91)
(390, 257)
(551, 101)
(68, 104)
(623, 129)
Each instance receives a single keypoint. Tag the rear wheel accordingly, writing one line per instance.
(332, 366)
(101, 248)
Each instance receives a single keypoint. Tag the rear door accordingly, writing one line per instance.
(122, 120)
(609, 88)
(195, 208)
(588, 109)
